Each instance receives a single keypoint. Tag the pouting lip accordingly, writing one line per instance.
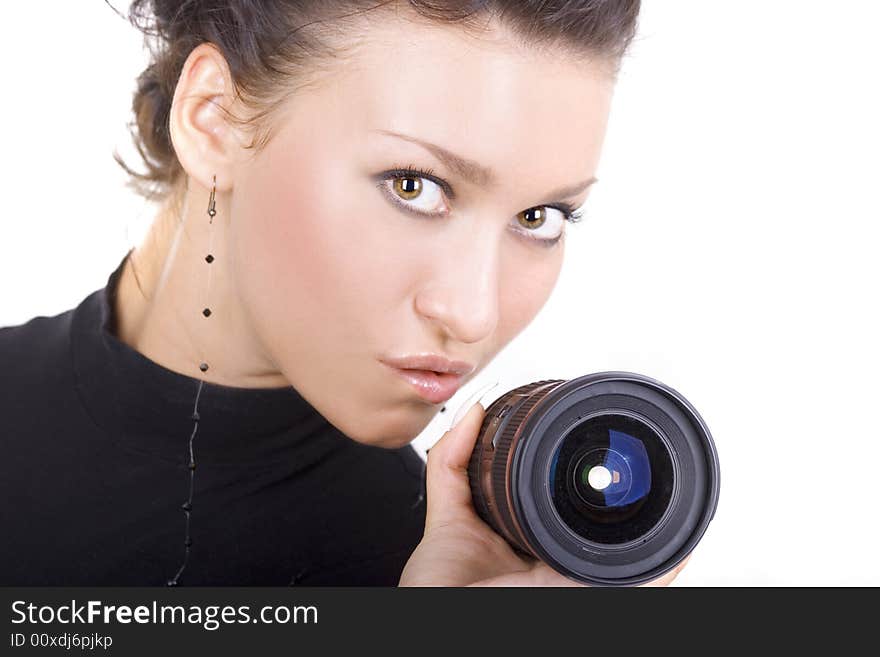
(430, 362)
(433, 387)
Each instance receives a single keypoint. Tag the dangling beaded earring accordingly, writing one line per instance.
(203, 367)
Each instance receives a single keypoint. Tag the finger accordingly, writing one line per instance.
(666, 580)
(544, 575)
(446, 479)
(470, 401)
(529, 579)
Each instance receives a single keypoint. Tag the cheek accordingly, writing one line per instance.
(525, 289)
(324, 272)
(323, 265)
(305, 253)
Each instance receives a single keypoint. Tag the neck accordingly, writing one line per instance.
(166, 284)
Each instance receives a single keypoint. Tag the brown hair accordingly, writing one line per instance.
(273, 45)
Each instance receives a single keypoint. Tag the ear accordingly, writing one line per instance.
(205, 142)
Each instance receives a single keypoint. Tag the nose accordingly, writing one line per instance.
(461, 292)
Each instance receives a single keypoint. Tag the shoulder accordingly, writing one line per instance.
(37, 383)
(32, 352)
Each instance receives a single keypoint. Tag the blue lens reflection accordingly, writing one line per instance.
(634, 472)
(628, 503)
(636, 476)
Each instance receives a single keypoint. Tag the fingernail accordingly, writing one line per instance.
(468, 404)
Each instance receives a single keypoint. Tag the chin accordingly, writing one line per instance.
(388, 433)
(386, 441)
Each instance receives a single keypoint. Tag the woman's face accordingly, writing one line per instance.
(341, 263)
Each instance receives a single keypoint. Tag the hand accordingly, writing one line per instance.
(458, 548)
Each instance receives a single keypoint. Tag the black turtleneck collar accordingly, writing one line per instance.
(147, 407)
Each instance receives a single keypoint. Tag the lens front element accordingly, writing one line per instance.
(611, 479)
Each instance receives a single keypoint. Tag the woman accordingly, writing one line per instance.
(361, 204)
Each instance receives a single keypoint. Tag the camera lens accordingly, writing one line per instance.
(610, 478)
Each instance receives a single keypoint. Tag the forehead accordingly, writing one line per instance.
(488, 97)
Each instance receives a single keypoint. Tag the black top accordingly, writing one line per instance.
(94, 472)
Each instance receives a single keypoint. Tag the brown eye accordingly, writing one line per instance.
(532, 218)
(407, 188)
(413, 193)
(537, 224)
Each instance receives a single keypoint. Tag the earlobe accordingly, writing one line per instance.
(200, 132)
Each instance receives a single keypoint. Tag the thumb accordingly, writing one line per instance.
(446, 479)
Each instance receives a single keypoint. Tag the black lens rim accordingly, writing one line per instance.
(691, 508)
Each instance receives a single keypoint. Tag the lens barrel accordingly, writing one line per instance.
(609, 478)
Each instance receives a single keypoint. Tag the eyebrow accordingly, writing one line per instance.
(477, 173)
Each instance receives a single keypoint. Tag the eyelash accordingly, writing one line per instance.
(571, 214)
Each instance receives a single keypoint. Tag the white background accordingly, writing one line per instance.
(729, 249)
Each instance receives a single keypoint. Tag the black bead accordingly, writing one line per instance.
(188, 541)
(209, 258)
(196, 416)
(203, 367)
(206, 312)
(186, 506)
(443, 410)
(192, 466)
